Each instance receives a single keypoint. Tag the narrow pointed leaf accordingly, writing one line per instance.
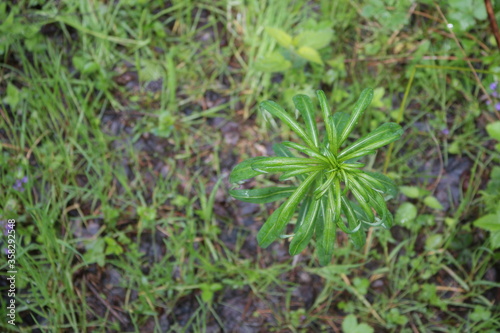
(341, 119)
(389, 188)
(320, 191)
(326, 235)
(283, 151)
(276, 110)
(352, 227)
(263, 195)
(363, 202)
(283, 164)
(380, 137)
(244, 171)
(304, 207)
(360, 106)
(357, 238)
(267, 235)
(281, 168)
(305, 106)
(333, 136)
(305, 150)
(304, 233)
(277, 161)
(299, 172)
(325, 111)
(356, 156)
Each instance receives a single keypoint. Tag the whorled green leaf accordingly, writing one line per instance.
(304, 207)
(299, 172)
(294, 168)
(304, 104)
(341, 120)
(321, 190)
(326, 234)
(244, 171)
(357, 236)
(283, 164)
(283, 151)
(333, 137)
(325, 111)
(360, 106)
(263, 195)
(276, 110)
(362, 200)
(389, 187)
(305, 150)
(305, 231)
(380, 137)
(268, 234)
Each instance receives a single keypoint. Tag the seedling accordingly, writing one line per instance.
(330, 177)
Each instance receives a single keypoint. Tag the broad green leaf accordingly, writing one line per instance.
(276, 110)
(310, 54)
(495, 240)
(490, 222)
(280, 36)
(406, 213)
(305, 106)
(305, 231)
(244, 171)
(263, 195)
(433, 242)
(380, 137)
(13, 95)
(273, 62)
(350, 324)
(493, 130)
(360, 106)
(314, 39)
(326, 234)
(267, 235)
(410, 191)
(389, 187)
(433, 202)
(305, 150)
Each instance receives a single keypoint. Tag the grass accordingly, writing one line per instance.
(127, 119)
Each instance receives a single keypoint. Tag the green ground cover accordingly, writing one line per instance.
(120, 122)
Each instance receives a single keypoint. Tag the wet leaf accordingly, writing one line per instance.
(262, 195)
